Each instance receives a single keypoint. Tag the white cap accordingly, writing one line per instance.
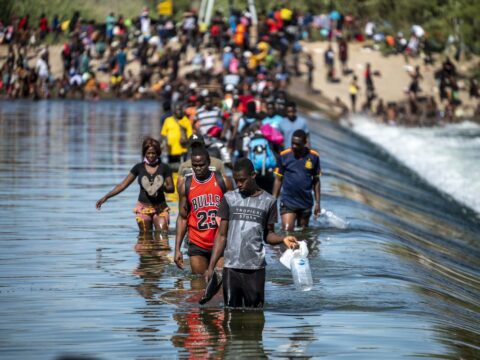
(229, 87)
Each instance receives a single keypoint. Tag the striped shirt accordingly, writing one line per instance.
(205, 119)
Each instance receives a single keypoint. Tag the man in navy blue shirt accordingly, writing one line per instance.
(298, 173)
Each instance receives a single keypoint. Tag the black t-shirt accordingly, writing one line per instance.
(151, 185)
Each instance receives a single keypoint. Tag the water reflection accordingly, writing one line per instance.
(218, 334)
(153, 250)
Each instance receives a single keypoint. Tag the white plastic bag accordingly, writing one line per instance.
(287, 256)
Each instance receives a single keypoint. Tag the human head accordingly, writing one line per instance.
(291, 111)
(178, 110)
(200, 162)
(244, 176)
(148, 143)
(299, 141)
(167, 106)
(251, 108)
(270, 108)
(209, 102)
(196, 141)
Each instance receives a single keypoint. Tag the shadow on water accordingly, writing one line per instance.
(401, 279)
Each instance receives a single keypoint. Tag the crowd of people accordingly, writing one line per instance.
(147, 57)
(140, 58)
(229, 109)
(225, 105)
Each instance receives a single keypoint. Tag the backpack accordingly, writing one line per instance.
(261, 155)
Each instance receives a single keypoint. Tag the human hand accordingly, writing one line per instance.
(316, 211)
(208, 275)
(100, 203)
(178, 258)
(291, 242)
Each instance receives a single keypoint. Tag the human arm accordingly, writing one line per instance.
(116, 190)
(277, 185)
(186, 130)
(181, 225)
(273, 238)
(225, 128)
(316, 191)
(164, 135)
(169, 187)
(317, 172)
(231, 143)
(218, 247)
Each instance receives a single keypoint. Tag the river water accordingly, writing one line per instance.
(401, 280)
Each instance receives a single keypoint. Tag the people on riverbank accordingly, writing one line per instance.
(155, 179)
(147, 57)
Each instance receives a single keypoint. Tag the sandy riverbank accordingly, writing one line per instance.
(391, 85)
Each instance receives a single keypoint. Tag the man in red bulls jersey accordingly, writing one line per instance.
(199, 194)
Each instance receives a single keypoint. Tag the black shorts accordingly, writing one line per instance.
(243, 288)
(301, 213)
(195, 250)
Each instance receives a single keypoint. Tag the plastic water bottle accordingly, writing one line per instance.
(302, 276)
(333, 219)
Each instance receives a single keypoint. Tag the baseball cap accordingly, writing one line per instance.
(196, 139)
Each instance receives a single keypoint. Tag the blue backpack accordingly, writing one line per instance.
(261, 155)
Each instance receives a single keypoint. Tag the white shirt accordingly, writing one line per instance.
(42, 68)
(145, 25)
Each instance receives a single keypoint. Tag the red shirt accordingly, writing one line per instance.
(203, 199)
(43, 24)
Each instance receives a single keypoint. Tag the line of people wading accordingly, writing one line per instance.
(226, 223)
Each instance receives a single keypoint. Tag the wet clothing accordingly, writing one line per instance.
(151, 185)
(300, 213)
(203, 199)
(298, 176)
(247, 229)
(145, 212)
(195, 250)
(243, 288)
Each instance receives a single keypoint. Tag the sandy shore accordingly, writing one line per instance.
(391, 85)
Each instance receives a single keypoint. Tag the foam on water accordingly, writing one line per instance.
(446, 157)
